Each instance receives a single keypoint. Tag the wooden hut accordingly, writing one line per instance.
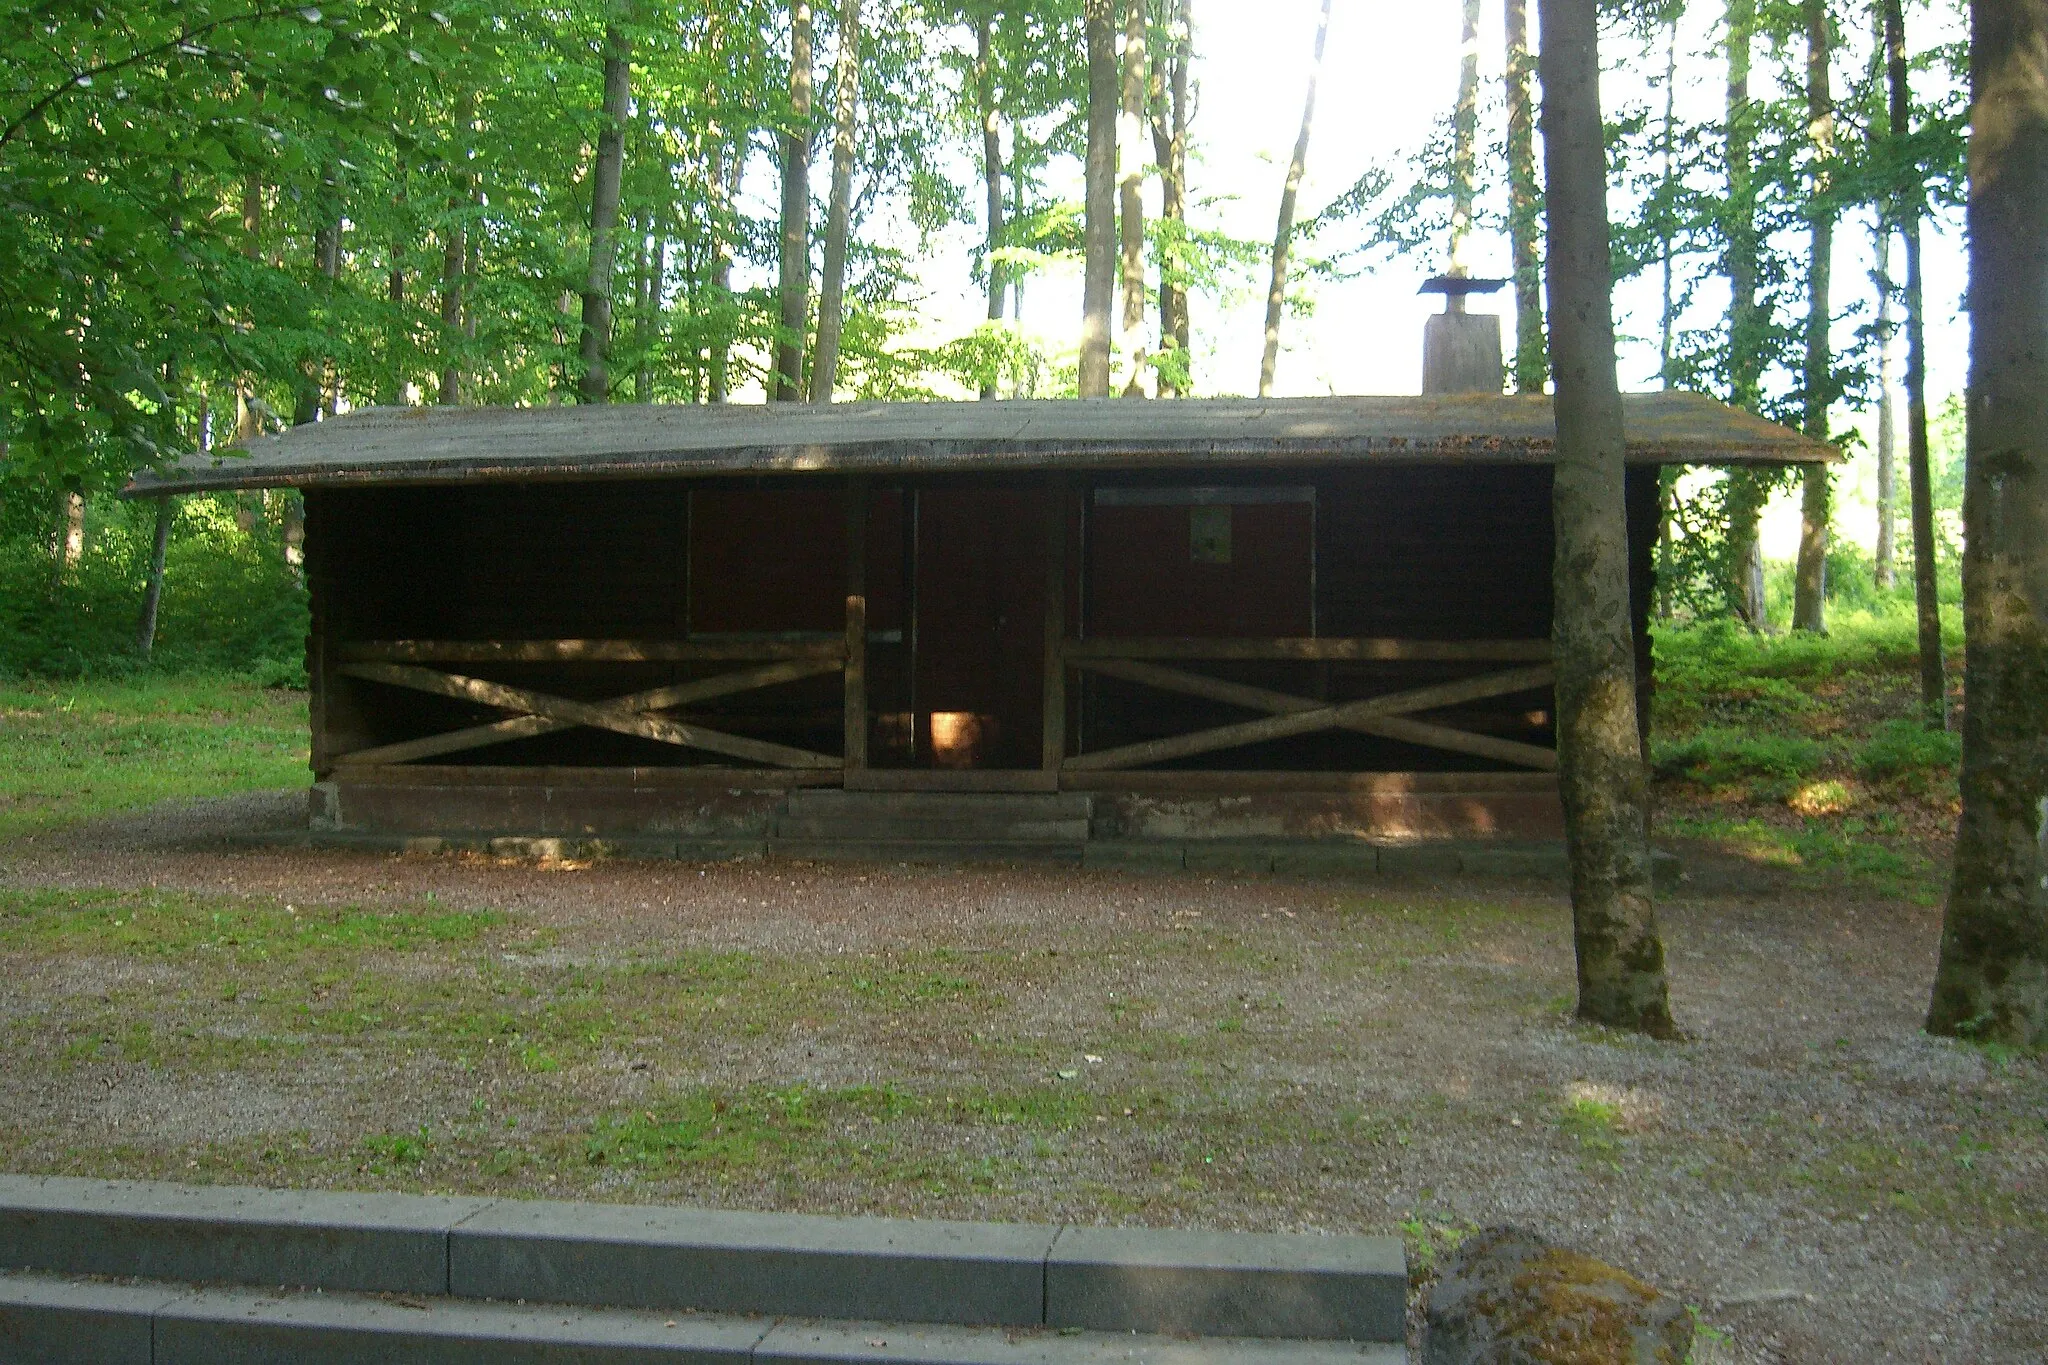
(1032, 627)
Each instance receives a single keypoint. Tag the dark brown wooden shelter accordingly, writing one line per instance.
(1185, 620)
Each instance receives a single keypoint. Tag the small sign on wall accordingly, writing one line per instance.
(1209, 534)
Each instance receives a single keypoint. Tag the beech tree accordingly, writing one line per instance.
(1601, 775)
(1283, 234)
(1992, 981)
(1098, 280)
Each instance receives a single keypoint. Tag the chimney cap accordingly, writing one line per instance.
(1457, 286)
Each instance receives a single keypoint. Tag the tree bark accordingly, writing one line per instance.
(1667, 315)
(787, 383)
(1992, 981)
(1465, 137)
(724, 183)
(1810, 580)
(1601, 775)
(153, 585)
(1170, 150)
(991, 166)
(606, 174)
(1283, 234)
(1532, 367)
(832, 296)
(1747, 490)
(1098, 281)
(1885, 555)
(455, 259)
(1131, 149)
(1919, 472)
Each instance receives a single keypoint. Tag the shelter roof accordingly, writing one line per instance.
(625, 440)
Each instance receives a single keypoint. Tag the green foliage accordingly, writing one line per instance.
(1718, 758)
(1907, 749)
(171, 924)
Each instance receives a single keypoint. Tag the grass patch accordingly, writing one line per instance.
(1908, 751)
(70, 752)
(1771, 765)
(175, 924)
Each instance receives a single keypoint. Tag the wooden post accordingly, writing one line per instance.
(856, 625)
(1053, 727)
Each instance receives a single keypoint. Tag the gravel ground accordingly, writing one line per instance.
(1819, 1178)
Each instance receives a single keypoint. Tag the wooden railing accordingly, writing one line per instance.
(1389, 715)
(398, 663)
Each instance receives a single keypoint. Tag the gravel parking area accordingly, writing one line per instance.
(1819, 1178)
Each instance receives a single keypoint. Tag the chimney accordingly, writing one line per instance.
(1461, 350)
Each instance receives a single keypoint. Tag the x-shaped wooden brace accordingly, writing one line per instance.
(628, 715)
(1292, 715)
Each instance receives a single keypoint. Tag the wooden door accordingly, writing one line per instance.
(979, 627)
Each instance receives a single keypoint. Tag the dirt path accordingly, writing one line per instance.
(1821, 1179)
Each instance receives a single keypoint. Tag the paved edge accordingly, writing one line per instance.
(689, 1259)
(53, 1321)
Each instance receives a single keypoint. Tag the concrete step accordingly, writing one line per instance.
(928, 850)
(710, 1260)
(51, 1320)
(973, 828)
(824, 801)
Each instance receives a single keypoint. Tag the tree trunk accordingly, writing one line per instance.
(832, 297)
(153, 585)
(1098, 280)
(1532, 367)
(1919, 473)
(1886, 553)
(991, 167)
(1170, 150)
(1992, 981)
(1465, 137)
(1130, 139)
(723, 191)
(1283, 234)
(454, 260)
(1747, 490)
(1600, 760)
(1667, 316)
(606, 173)
(787, 383)
(392, 388)
(1810, 584)
(71, 535)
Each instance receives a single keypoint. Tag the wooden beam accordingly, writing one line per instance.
(654, 699)
(856, 710)
(600, 716)
(1332, 649)
(1242, 782)
(584, 651)
(1053, 724)
(1322, 718)
(1283, 703)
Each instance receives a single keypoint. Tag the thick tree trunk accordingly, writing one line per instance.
(1465, 137)
(606, 174)
(1131, 149)
(1532, 366)
(832, 295)
(787, 383)
(1601, 775)
(1810, 582)
(1747, 490)
(1992, 982)
(1170, 150)
(1098, 280)
(991, 166)
(71, 535)
(1919, 474)
(1283, 232)
(1885, 555)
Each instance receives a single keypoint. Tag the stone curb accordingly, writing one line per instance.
(682, 1259)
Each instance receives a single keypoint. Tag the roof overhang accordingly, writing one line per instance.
(443, 445)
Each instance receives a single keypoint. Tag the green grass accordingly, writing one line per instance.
(1770, 764)
(73, 751)
(171, 924)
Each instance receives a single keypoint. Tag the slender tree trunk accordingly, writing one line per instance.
(455, 259)
(991, 165)
(1667, 315)
(1885, 555)
(606, 174)
(723, 191)
(1170, 150)
(1131, 149)
(787, 383)
(1283, 234)
(1747, 490)
(1810, 583)
(832, 297)
(645, 288)
(248, 422)
(325, 375)
(1532, 367)
(1098, 281)
(392, 386)
(1992, 982)
(1600, 760)
(1465, 137)
(71, 536)
(153, 585)
(1919, 473)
